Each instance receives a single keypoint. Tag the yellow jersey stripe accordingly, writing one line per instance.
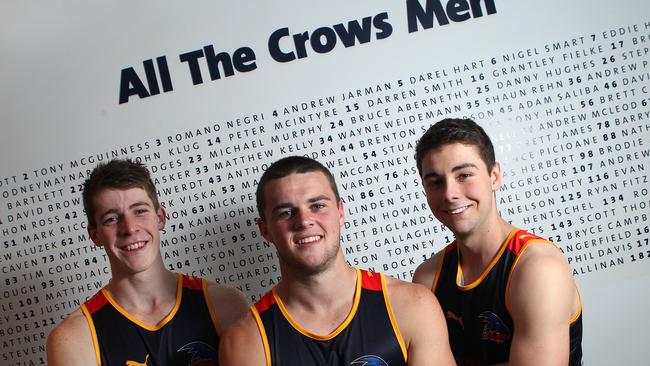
(265, 340)
(393, 322)
(93, 333)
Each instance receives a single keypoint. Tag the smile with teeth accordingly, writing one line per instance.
(309, 239)
(134, 246)
(457, 210)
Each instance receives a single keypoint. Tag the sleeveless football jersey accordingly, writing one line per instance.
(189, 335)
(479, 324)
(368, 336)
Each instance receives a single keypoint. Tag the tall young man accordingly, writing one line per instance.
(324, 312)
(146, 315)
(508, 295)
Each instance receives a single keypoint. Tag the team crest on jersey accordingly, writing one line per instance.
(369, 360)
(494, 329)
(201, 354)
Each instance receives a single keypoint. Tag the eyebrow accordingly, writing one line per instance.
(320, 197)
(454, 169)
(132, 206)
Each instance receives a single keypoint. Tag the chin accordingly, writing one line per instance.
(308, 268)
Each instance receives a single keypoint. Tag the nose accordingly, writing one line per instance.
(451, 190)
(302, 219)
(128, 225)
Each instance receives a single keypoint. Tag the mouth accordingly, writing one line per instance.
(457, 211)
(308, 239)
(135, 246)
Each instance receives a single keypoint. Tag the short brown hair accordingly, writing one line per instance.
(449, 131)
(117, 174)
(287, 166)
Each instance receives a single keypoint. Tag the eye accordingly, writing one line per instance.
(434, 183)
(464, 175)
(284, 214)
(110, 220)
(318, 206)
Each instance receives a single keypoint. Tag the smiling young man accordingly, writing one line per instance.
(508, 295)
(324, 312)
(146, 315)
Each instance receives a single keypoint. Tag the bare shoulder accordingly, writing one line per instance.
(71, 342)
(228, 302)
(539, 261)
(242, 343)
(403, 288)
(542, 299)
(425, 274)
(420, 322)
(543, 276)
(406, 297)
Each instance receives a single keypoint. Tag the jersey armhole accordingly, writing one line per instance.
(514, 265)
(211, 309)
(434, 285)
(575, 317)
(93, 333)
(265, 340)
(391, 316)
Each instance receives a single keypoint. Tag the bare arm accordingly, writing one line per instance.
(543, 299)
(228, 303)
(421, 323)
(242, 344)
(70, 343)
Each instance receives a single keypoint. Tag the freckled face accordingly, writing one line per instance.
(303, 220)
(128, 227)
(460, 188)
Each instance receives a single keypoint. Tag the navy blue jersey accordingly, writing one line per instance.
(368, 336)
(479, 324)
(189, 335)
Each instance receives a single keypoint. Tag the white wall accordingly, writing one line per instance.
(557, 117)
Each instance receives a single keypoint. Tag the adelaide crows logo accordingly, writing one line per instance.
(201, 354)
(494, 329)
(369, 360)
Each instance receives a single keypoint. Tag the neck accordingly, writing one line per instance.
(326, 289)
(144, 290)
(479, 248)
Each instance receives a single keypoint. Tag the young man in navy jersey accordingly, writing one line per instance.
(146, 315)
(324, 312)
(508, 295)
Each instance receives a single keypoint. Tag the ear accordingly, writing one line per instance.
(92, 233)
(495, 177)
(162, 218)
(261, 224)
(341, 212)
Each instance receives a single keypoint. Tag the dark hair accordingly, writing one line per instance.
(449, 131)
(287, 166)
(116, 174)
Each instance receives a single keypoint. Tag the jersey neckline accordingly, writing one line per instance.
(165, 320)
(335, 332)
(495, 259)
